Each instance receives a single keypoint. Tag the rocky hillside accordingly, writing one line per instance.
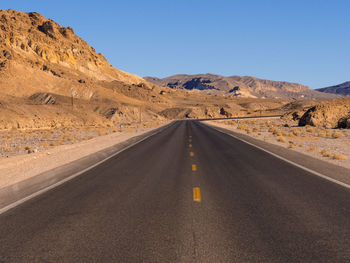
(45, 68)
(341, 89)
(238, 86)
(51, 78)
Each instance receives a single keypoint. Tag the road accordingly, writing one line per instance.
(141, 206)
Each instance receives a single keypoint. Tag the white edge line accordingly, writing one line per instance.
(286, 160)
(21, 201)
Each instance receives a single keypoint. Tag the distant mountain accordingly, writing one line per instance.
(239, 86)
(341, 89)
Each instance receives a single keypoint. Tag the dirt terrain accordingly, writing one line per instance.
(331, 145)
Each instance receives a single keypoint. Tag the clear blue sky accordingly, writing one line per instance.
(305, 41)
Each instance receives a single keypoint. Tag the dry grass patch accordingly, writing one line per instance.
(281, 139)
(338, 156)
(291, 144)
(325, 153)
(337, 135)
(311, 148)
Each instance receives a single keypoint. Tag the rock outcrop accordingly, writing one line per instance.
(330, 114)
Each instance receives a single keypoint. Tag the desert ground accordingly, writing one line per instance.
(331, 145)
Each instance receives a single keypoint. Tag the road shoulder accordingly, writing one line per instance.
(23, 190)
(327, 169)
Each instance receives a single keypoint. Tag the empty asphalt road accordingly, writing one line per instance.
(187, 194)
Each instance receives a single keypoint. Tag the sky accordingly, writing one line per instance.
(304, 41)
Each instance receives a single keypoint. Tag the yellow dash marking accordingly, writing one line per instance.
(197, 194)
(194, 167)
(190, 145)
(191, 154)
(190, 136)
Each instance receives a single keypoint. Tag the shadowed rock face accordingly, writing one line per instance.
(238, 86)
(341, 89)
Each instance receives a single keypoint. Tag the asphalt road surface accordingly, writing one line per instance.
(162, 200)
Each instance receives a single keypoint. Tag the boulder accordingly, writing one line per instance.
(329, 114)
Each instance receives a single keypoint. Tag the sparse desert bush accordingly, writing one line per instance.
(337, 156)
(277, 133)
(101, 132)
(328, 133)
(242, 127)
(27, 148)
(44, 144)
(311, 148)
(281, 139)
(310, 129)
(321, 134)
(337, 135)
(291, 144)
(291, 135)
(325, 153)
(296, 132)
(5, 149)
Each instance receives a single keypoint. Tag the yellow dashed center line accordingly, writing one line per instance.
(197, 194)
(190, 145)
(191, 154)
(194, 167)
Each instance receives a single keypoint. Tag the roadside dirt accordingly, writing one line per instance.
(331, 145)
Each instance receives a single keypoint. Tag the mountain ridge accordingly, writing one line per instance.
(340, 89)
(239, 86)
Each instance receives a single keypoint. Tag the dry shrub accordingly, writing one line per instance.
(101, 132)
(310, 129)
(44, 144)
(27, 148)
(291, 144)
(311, 148)
(5, 149)
(337, 135)
(296, 132)
(321, 134)
(338, 156)
(325, 153)
(243, 127)
(328, 134)
(281, 139)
